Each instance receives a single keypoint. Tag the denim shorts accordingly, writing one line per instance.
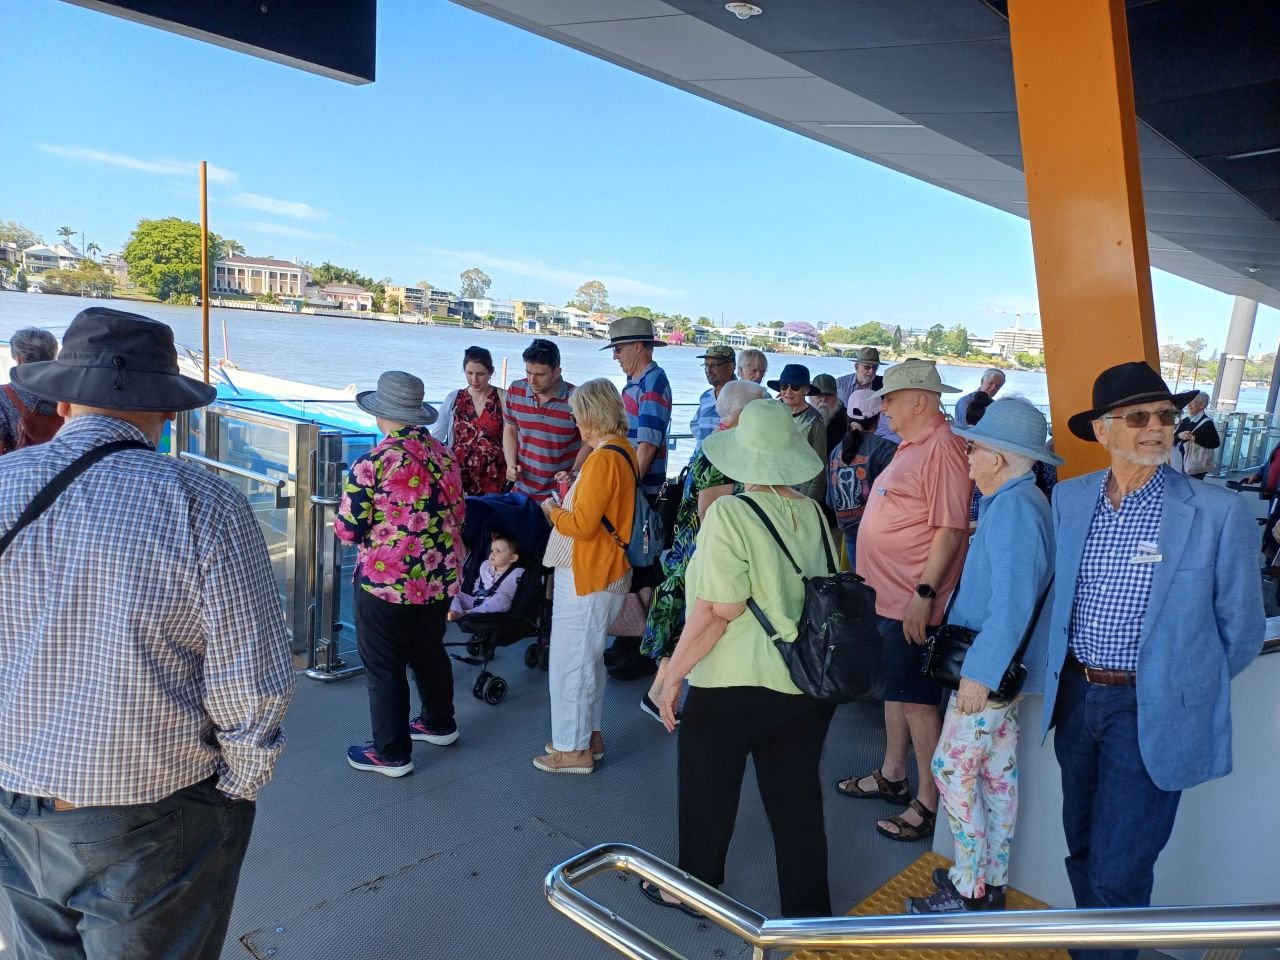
(904, 679)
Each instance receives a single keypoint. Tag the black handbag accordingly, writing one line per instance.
(838, 654)
(947, 647)
(668, 505)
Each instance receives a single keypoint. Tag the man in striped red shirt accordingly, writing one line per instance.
(540, 438)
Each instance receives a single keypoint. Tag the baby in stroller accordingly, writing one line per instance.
(495, 583)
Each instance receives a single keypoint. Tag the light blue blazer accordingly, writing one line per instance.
(1204, 622)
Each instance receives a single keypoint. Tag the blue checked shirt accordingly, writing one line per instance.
(1112, 590)
(706, 420)
(142, 644)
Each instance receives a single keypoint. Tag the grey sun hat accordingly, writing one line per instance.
(1015, 426)
(632, 330)
(399, 398)
(765, 447)
(867, 355)
(117, 361)
(914, 375)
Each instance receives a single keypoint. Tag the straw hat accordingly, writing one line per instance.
(1014, 426)
(765, 448)
(914, 375)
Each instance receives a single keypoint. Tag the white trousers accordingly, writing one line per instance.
(579, 628)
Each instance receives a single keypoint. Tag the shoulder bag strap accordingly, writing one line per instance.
(44, 499)
(18, 405)
(1035, 618)
(773, 531)
(825, 536)
(613, 532)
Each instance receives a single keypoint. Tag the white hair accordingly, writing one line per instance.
(752, 355)
(735, 395)
(994, 372)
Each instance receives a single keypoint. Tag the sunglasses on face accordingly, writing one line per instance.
(1140, 418)
(792, 388)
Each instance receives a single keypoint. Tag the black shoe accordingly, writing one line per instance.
(994, 897)
(651, 708)
(654, 895)
(624, 649)
(634, 669)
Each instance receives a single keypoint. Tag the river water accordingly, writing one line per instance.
(337, 351)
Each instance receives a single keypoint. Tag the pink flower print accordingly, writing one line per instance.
(452, 590)
(435, 589)
(433, 559)
(408, 484)
(415, 448)
(416, 591)
(390, 594)
(381, 502)
(344, 506)
(382, 532)
(364, 473)
(410, 546)
(416, 522)
(383, 565)
(451, 560)
(396, 513)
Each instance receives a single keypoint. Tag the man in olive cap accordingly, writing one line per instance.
(145, 661)
(717, 363)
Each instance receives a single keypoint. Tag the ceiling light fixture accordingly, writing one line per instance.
(1252, 153)
(877, 125)
(743, 11)
(1252, 269)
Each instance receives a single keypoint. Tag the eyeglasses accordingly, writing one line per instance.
(792, 387)
(711, 364)
(1140, 418)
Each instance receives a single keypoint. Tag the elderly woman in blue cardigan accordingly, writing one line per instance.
(1006, 571)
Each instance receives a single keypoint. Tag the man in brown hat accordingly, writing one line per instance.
(865, 364)
(145, 661)
(1157, 606)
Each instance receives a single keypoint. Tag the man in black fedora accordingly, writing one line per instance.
(1157, 606)
(144, 663)
(794, 388)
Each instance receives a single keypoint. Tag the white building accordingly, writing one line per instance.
(1014, 340)
(256, 275)
(42, 257)
(349, 296)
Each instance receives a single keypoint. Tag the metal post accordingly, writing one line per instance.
(204, 268)
(1231, 366)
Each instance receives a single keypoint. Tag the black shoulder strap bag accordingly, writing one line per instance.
(837, 655)
(947, 647)
(61, 480)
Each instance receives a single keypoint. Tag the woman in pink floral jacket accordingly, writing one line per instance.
(402, 506)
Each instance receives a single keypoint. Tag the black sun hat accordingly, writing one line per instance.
(1122, 386)
(118, 361)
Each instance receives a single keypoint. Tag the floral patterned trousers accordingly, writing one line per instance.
(976, 770)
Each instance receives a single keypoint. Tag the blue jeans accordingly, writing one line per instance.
(1115, 819)
(148, 882)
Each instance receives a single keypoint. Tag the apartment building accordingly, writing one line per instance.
(259, 275)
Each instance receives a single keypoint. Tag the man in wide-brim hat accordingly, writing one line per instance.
(646, 398)
(1157, 606)
(150, 661)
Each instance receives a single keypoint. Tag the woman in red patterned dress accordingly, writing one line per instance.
(471, 423)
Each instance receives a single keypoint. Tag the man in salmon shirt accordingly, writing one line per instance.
(910, 549)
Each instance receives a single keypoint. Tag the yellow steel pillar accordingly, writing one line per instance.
(1084, 196)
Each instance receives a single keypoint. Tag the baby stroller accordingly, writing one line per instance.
(515, 515)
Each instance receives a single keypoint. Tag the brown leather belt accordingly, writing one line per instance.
(1101, 676)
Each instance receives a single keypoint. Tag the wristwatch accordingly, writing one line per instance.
(925, 591)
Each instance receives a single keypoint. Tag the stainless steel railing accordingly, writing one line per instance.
(1250, 925)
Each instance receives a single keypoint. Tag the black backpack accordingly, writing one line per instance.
(838, 654)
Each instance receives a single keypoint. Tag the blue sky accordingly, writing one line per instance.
(483, 145)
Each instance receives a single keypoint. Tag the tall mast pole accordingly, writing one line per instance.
(204, 268)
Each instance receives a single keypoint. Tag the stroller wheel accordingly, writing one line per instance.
(475, 648)
(495, 690)
(531, 656)
(544, 657)
(477, 688)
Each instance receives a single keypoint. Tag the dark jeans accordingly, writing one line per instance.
(390, 637)
(148, 882)
(783, 735)
(1115, 819)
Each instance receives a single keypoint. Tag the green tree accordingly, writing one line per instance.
(475, 283)
(230, 248)
(739, 326)
(592, 297)
(933, 340)
(164, 256)
(88, 278)
(955, 342)
(638, 312)
(93, 250)
(1032, 361)
(66, 233)
(13, 232)
(425, 285)
(896, 341)
(1196, 347)
(869, 335)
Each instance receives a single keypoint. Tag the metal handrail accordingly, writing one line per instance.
(276, 483)
(1250, 925)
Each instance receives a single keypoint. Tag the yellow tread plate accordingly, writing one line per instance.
(915, 881)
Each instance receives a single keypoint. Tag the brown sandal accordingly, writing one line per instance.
(910, 832)
(897, 792)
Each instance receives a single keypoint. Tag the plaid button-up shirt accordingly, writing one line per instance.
(142, 644)
(1114, 583)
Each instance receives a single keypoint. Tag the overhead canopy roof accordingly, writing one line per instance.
(926, 87)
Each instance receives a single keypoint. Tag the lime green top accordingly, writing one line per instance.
(736, 558)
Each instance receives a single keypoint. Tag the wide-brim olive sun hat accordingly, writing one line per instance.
(914, 375)
(1012, 426)
(764, 448)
